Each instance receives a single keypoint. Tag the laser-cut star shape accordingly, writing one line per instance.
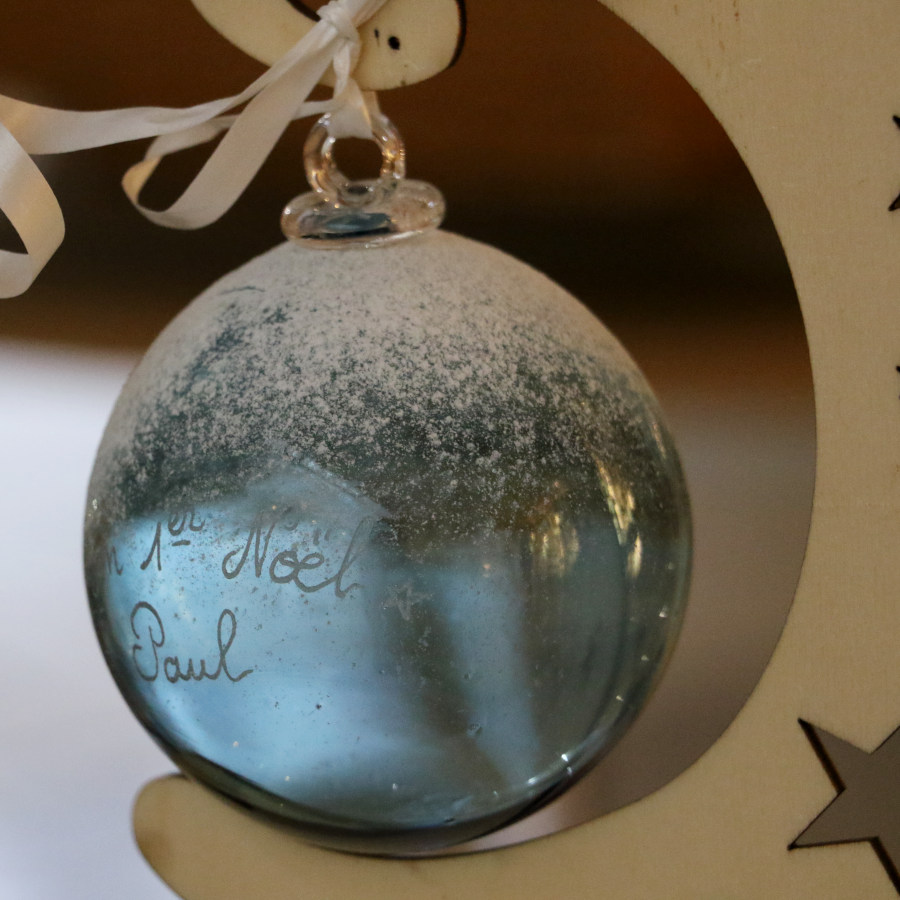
(896, 204)
(867, 807)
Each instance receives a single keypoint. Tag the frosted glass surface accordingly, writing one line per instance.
(391, 543)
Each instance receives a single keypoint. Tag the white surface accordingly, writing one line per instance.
(71, 755)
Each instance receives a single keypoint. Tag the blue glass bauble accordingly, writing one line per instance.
(390, 543)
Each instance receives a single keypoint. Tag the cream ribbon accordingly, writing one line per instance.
(277, 97)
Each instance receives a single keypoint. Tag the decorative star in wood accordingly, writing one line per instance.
(867, 807)
(896, 204)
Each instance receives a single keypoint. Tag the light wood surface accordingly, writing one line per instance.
(405, 42)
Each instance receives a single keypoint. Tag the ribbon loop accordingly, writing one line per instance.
(340, 20)
(33, 211)
(272, 101)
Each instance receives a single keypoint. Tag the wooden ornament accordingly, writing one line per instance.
(807, 93)
(405, 42)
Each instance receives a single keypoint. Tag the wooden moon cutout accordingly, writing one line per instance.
(405, 42)
(807, 93)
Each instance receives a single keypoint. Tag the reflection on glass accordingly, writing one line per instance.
(390, 602)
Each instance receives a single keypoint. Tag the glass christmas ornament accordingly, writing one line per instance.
(392, 542)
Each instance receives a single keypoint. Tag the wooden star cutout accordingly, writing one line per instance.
(896, 204)
(867, 807)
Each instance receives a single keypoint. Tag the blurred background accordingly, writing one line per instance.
(561, 137)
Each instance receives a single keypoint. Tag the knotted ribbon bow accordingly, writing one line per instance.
(276, 98)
